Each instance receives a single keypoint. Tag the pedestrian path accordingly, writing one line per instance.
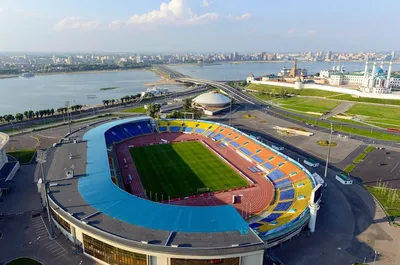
(53, 248)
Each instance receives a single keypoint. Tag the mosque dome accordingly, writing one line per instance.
(379, 71)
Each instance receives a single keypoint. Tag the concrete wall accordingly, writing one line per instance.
(334, 89)
(76, 236)
(3, 143)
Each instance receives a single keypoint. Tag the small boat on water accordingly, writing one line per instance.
(28, 75)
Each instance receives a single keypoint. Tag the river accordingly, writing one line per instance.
(51, 91)
(239, 71)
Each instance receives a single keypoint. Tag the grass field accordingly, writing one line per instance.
(23, 156)
(360, 158)
(180, 169)
(368, 133)
(375, 111)
(392, 205)
(136, 110)
(308, 104)
(302, 92)
(349, 168)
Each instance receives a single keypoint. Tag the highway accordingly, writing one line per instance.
(255, 103)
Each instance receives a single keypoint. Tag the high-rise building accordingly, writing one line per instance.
(70, 60)
(236, 56)
(328, 56)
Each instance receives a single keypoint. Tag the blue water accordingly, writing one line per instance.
(239, 71)
(51, 91)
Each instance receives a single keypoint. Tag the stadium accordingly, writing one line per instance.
(146, 191)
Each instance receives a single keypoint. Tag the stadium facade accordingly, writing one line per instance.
(113, 226)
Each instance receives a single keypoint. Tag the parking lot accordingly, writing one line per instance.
(380, 164)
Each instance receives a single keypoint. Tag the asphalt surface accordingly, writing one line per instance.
(379, 165)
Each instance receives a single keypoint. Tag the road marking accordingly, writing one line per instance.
(394, 167)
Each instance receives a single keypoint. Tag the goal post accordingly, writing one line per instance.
(202, 190)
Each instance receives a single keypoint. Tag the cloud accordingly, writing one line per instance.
(2, 9)
(310, 33)
(292, 31)
(205, 3)
(174, 12)
(245, 16)
(76, 23)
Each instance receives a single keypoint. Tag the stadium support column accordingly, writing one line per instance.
(314, 207)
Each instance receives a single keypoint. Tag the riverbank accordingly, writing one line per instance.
(8, 76)
(161, 82)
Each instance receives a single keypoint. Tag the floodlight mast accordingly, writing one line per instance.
(41, 159)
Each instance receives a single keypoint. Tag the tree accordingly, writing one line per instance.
(153, 109)
(52, 111)
(112, 101)
(31, 114)
(187, 104)
(8, 118)
(19, 116)
(176, 114)
(37, 114)
(26, 114)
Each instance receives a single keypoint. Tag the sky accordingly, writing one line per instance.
(198, 25)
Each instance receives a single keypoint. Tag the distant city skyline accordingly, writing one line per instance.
(168, 26)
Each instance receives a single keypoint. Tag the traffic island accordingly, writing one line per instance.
(326, 143)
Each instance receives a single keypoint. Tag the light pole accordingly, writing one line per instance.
(69, 124)
(92, 97)
(41, 158)
(328, 153)
(376, 253)
(230, 115)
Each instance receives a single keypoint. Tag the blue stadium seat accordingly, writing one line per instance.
(245, 151)
(258, 159)
(145, 126)
(210, 134)
(271, 217)
(199, 131)
(282, 206)
(286, 194)
(187, 129)
(235, 144)
(268, 165)
(174, 128)
(133, 129)
(255, 225)
(218, 137)
(227, 139)
(162, 129)
(276, 174)
(285, 183)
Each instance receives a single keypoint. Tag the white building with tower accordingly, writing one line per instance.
(376, 81)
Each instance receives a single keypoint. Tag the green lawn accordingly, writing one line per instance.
(369, 149)
(180, 169)
(381, 112)
(137, 110)
(349, 168)
(366, 100)
(23, 156)
(24, 261)
(392, 206)
(307, 104)
(301, 92)
(367, 133)
(360, 158)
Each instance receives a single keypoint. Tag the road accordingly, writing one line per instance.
(60, 118)
(255, 103)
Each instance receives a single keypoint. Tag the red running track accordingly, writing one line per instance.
(253, 200)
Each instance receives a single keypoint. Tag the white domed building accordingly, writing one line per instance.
(212, 103)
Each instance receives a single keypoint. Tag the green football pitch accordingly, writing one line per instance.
(181, 169)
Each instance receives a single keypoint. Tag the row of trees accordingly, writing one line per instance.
(30, 114)
(125, 99)
(282, 93)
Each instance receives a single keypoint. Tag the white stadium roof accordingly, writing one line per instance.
(212, 99)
